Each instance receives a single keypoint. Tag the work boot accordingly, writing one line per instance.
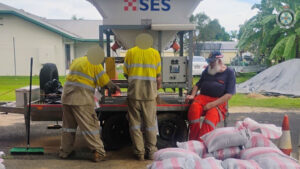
(63, 155)
(97, 157)
(149, 156)
(139, 157)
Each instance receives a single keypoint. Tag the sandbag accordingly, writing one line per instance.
(186, 163)
(194, 146)
(1, 160)
(268, 130)
(259, 140)
(166, 153)
(259, 152)
(270, 158)
(232, 163)
(226, 137)
(277, 162)
(174, 163)
(232, 152)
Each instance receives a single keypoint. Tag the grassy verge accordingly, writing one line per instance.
(8, 85)
(274, 102)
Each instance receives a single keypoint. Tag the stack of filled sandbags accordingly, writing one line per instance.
(239, 147)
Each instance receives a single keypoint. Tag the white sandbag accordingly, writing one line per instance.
(277, 162)
(194, 146)
(186, 163)
(259, 152)
(1, 160)
(226, 137)
(232, 163)
(268, 130)
(232, 152)
(174, 163)
(259, 140)
(166, 153)
(209, 163)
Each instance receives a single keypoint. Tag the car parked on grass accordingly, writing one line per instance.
(199, 64)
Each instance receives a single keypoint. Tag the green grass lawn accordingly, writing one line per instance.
(8, 84)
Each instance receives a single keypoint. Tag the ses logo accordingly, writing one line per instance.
(147, 5)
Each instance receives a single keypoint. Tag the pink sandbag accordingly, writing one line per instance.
(259, 140)
(232, 152)
(232, 163)
(186, 163)
(226, 137)
(259, 152)
(194, 146)
(268, 130)
(277, 162)
(166, 153)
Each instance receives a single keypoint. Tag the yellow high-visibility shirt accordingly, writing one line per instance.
(81, 82)
(142, 67)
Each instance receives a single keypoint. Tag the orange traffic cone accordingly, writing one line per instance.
(285, 144)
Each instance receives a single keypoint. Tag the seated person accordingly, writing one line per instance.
(217, 85)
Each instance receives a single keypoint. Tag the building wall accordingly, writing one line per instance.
(81, 48)
(30, 41)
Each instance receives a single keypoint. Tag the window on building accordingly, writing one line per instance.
(68, 55)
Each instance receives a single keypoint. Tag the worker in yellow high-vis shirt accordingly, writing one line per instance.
(86, 73)
(142, 67)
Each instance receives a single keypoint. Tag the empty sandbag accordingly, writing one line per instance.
(226, 137)
(232, 163)
(166, 153)
(194, 146)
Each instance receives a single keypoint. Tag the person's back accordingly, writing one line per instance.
(142, 66)
(86, 73)
(81, 82)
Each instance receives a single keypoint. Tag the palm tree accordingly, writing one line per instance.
(264, 37)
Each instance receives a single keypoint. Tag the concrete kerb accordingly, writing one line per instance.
(261, 110)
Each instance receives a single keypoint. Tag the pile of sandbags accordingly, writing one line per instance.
(1, 160)
(239, 147)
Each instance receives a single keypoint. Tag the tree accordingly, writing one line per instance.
(74, 17)
(207, 29)
(262, 36)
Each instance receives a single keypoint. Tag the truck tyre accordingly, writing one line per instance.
(115, 132)
(48, 73)
(171, 129)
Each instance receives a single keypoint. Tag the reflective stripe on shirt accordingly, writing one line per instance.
(80, 85)
(141, 78)
(81, 74)
(99, 75)
(140, 66)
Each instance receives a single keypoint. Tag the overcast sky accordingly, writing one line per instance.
(230, 13)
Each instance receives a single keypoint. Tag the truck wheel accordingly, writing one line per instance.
(115, 133)
(48, 73)
(172, 129)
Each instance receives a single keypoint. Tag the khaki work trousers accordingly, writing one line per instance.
(142, 115)
(86, 118)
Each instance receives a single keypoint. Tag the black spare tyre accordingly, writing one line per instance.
(48, 73)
